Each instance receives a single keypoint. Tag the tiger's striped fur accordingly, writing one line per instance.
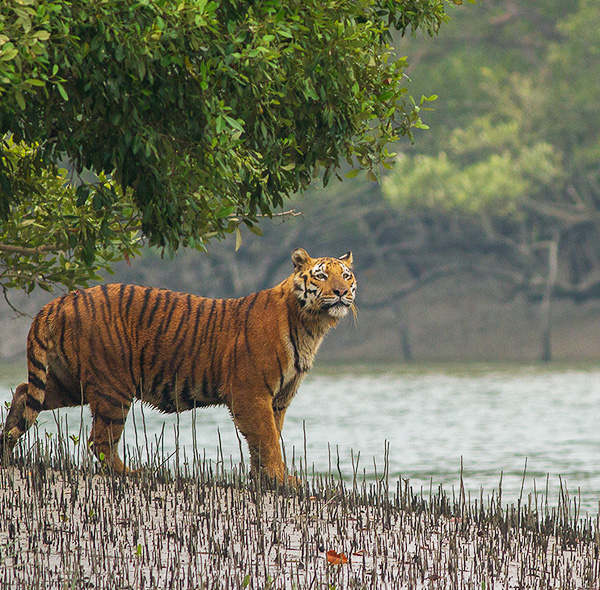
(107, 345)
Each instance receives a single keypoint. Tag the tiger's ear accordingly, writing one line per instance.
(347, 258)
(301, 259)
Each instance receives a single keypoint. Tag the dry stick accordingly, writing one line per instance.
(164, 460)
(523, 482)
(83, 456)
(547, 511)
(386, 466)
(176, 429)
(305, 452)
(158, 440)
(58, 432)
(376, 475)
(282, 443)
(67, 465)
(144, 423)
(500, 491)
(137, 444)
(461, 498)
(220, 451)
(329, 461)
(125, 450)
(196, 458)
(354, 468)
(237, 434)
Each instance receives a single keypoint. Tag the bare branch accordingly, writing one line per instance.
(570, 215)
(589, 289)
(416, 284)
(289, 213)
(18, 312)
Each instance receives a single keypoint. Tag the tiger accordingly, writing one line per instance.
(107, 345)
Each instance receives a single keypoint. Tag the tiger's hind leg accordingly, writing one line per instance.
(108, 423)
(28, 399)
(15, 425)
(57, 394)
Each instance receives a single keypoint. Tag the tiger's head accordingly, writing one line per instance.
(324, 285)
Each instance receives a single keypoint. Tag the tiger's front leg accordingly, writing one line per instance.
(279, 414)
(256, 421)
(109, 418)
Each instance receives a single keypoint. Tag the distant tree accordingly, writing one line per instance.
(516, 172)
(192, 117)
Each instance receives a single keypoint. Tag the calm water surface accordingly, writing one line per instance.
(495, 419)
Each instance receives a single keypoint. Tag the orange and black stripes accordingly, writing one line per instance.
(110, 344)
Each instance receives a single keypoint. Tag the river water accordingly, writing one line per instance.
(530, 428)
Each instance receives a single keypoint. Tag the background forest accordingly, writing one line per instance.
(483, 240)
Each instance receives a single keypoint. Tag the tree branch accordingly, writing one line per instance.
(571, 216)
(27, 251)
(416, 284)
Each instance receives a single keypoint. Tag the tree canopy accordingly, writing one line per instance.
(175, 121)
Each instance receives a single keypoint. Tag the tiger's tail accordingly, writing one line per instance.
(28, 399)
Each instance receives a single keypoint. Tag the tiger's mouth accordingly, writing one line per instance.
(338, 303)
(337, 308)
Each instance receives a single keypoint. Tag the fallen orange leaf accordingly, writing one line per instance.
(336, 558)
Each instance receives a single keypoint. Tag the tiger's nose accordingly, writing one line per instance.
(340, 291)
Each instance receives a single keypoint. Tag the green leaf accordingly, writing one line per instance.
(20, 100)
(225, 211)
(62, 91)
(235, 124)
(8, 52)
(82, 193)
(42, 35)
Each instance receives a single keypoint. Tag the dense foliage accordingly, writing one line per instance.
(194, 116)
(56, 235)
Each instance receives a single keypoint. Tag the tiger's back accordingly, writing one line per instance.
(167, 348)
(107, 345)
